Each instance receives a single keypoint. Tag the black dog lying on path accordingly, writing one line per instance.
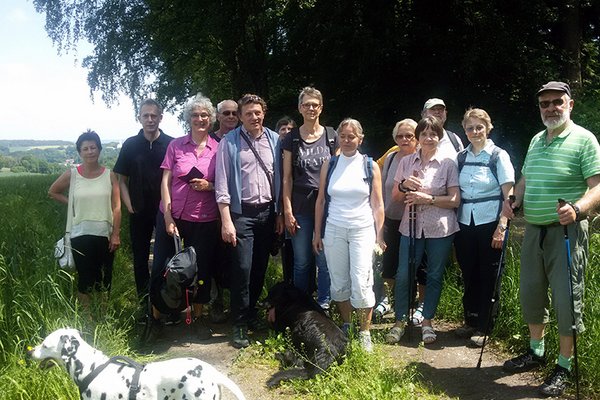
(316, 338)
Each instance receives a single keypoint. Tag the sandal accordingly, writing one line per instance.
(394, 335)
(429, 335)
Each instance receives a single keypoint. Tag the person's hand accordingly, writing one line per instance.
(412, 183)
(412, 198)
(509, 206)
(114, 242)
(228, 233)
(380, 243)
(170, 226)
(200, 185)
(566, 213)
(291, 224)
(279, 225)
(498, 238)
(317, 244)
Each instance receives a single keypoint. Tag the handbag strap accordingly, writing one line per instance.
(261, 162)
(70, 210)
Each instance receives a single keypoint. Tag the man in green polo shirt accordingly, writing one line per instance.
(563, 161)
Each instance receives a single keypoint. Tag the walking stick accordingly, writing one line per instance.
(495, 292)
(561, 203)
(412, 228)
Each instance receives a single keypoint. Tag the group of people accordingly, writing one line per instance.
(231, 191)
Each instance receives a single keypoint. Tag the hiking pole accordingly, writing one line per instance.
(561, 203)
(495, 292)
(412, 214)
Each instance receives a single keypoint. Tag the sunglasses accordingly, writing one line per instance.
(556, 102)
(228, 113)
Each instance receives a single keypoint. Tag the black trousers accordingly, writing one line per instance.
(141, 226)
(479, 265)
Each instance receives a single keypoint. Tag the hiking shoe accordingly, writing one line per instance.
(364, 338)
(240, 337)
(201, 329)
(173, 319)
(395, 334)
(152, 331)
(217, 313)
(382, 309)
(477, 339)
(465, 331)
(555, 384)
(524, 362)
(417, 317)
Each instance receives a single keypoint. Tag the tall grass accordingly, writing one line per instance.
(37, 297)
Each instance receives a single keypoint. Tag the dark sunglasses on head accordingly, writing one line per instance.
(556, 102)
(228, 113)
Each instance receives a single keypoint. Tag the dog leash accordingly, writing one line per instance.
(135, 380)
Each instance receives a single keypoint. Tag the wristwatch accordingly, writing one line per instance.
(576, 208)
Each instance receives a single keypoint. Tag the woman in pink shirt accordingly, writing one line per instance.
(188, 207)
(427, 181)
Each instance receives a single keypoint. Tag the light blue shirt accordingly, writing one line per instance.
(477, 182)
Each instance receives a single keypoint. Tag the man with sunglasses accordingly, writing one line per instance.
(227, 115)
(562, 162)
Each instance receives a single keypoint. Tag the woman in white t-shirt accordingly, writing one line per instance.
(96, 216)
(354, 223)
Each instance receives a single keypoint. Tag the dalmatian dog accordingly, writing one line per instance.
(101, 377)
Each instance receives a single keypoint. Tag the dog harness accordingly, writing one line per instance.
(134, 388)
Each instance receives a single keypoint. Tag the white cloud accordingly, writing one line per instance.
(17, 15)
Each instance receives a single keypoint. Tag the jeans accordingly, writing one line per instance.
(437, 250)
(254, 235)
(141, 226)
(349, 252)
(304, 257)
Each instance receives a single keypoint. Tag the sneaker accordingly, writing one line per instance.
(217, 313)
(395, 334)
(417, 317)
(240, 337)
(173, 319)
(201, 329)
(524, 362)
(465, 331)
(556, 383)
(257, 325)
(364, 338)
(477, 339)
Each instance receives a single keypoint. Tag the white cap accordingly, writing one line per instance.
(432, 103)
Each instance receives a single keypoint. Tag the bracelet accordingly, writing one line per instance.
(575, 208)
(401, 186)
(502, 227)
(432, 201)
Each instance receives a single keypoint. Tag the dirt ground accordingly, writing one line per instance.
(449, 365)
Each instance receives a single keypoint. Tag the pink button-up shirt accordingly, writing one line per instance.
(187, 203)
(436, 177)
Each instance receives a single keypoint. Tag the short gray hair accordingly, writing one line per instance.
(222, 103)
(198, 101)
(150, 102)
(358, 129)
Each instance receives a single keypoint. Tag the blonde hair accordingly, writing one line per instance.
(407, 121)
(354, 124)
(480, 114)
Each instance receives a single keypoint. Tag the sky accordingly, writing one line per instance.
(45, 96)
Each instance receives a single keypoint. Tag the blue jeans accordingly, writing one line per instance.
(437, 250)
(304, 258)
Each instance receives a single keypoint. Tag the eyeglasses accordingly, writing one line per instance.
(556, 102)
(227, 113)
(311, 105)
(407, 137)
(200, 115)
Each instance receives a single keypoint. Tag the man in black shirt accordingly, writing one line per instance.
(140, 175)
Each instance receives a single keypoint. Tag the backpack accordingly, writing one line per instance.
(368, 168)
(178, 283)
(330, 134)
(492, 164)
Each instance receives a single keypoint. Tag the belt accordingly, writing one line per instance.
(256, 206)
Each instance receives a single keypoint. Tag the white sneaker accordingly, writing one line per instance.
(417, 317)
(364, 338)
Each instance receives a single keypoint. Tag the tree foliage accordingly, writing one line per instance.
(377, 61)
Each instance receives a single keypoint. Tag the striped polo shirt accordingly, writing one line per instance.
(558, 170)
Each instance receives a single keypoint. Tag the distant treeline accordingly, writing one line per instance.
(33, 143)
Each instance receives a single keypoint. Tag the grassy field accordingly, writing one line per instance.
(36, 298)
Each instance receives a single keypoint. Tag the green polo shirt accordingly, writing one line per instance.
(558, 170)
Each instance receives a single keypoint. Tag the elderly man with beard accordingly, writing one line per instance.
(563, 161)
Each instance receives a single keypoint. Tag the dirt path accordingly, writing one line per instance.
(447, 366)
